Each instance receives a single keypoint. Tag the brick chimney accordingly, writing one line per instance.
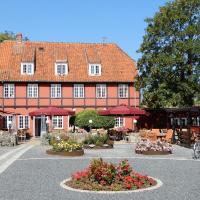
(19, 37)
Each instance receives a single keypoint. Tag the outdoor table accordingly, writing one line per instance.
(161, 136)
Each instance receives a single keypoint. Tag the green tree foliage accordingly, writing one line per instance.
(170, 63)
(82, 120)
(8, 35)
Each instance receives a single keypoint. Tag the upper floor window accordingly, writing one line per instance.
(23, 122)
(94, 69)
(55, 90)
(57, 122)
(9, 90)
(78, 90)
(61, 68)
(27, 68)
(119, 122)
(32, 90)
(101, 90)
(123, 90)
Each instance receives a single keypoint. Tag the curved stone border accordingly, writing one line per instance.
(98, 147)
(159, 184)
(65, 153)
(153, 152)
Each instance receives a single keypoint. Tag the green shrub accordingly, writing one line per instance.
(98, 140)
(82, 120)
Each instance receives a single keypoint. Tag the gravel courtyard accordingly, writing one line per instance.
(35, 175)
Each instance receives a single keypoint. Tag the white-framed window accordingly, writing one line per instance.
(78, 90)
(94, 69)
(9, 90)
(32, 91)
(119, 122)
(61, 68)
(100, 90)
(8, 121)
(23, 121)
(55, 90)
(57, 122)
(123, 90)
(27, 68)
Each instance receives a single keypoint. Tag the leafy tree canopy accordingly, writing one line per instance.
(82, 120)
(8, 35)
(170, 63)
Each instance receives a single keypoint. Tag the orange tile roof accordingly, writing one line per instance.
(117, 66)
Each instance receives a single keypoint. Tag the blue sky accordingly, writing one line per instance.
(121, 21)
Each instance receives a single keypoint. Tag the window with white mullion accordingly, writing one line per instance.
(57, 122)
(23, 122)
(119, 122)
(61, 68)
(9, 90)
(101, 91)
(123, 90)
(32, 91)
(78, 90)
(8, 121)
(55, 90)
(27, 68)
(94, 69)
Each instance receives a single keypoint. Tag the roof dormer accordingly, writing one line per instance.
(61, 68)
(94, 70)
(27, 68)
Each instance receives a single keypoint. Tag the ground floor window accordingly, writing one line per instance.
(23, 122)
(57, 122)
(8, 121)
(119, 122)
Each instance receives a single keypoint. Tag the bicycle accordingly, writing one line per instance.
(196, 149)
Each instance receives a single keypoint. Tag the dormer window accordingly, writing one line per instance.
(61, 68)
(27, 68)
(94, 69)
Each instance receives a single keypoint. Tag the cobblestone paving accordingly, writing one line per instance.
(36, 175)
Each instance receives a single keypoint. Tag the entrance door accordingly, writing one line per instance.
(37, 127)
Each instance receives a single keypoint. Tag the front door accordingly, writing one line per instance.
(37, 127)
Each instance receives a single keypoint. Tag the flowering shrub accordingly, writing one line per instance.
(101, 175)
(66, 146)
(147, 145)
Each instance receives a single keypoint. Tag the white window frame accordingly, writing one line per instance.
(79, 92)
(56, 91)
(57, 118)
(101, 92)
(23, 122)
(123, 90)
(8, 118)
(10, 90)
(64, 65)
(119, 122)
(93, 69)
(29, 68)
(32, 90)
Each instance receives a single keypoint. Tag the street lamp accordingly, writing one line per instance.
(90, 124)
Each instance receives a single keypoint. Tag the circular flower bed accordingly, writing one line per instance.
(153, 147)
(98, 141)
(66, 148)
(103, 176)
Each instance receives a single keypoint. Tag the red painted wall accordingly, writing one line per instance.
(21, 105)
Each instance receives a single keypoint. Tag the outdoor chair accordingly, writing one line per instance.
(169, 135)
(152, 136)
(156, 131)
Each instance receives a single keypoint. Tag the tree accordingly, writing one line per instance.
(82, 120)
(169, 68)
(8, 35)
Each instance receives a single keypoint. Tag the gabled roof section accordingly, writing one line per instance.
(116, 65)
